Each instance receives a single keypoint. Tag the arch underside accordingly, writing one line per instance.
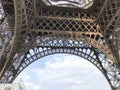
(79, 48)
(43, 30)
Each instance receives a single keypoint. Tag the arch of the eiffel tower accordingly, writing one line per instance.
(32, 29)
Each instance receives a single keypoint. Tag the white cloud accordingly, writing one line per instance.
(66, 72)
(28, 84)
(32, 86)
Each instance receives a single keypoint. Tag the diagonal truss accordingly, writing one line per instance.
(92, 33)
(66, 46)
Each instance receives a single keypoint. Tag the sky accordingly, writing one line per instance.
(62, 72)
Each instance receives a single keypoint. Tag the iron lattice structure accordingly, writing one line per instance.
(32, 29)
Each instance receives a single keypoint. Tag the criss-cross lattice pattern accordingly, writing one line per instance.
(92, 33)
(71, 47)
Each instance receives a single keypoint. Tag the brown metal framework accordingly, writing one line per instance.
(31, 29)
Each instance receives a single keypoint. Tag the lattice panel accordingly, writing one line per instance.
(81, 25)
(76, 21)
(8, 7)
(107, 19)
(85, 51)
(6, 30)
(108, 12)
(44, 30)
(61, 19)
(116, 38)
(66, 12)
(111, 30)
(15, 36)
(35, 38)
(30, 10)
(97, 10)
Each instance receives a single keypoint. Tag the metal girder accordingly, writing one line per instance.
(55, 46)
(108, 17)
(33, 24)
(6, 30)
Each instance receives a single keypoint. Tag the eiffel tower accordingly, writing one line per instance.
(32, 29)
